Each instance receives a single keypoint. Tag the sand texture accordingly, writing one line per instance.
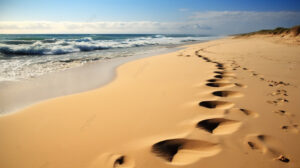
(231, 102)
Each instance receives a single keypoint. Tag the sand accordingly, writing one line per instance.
(16, 95)
(224, 103)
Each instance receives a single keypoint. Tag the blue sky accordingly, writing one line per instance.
(119, 16)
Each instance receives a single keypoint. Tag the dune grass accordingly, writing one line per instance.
(277, 31)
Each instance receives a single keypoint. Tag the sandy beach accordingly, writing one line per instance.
(232, 102)
(16, 95)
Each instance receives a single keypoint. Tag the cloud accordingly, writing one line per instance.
(97, 27)
(229, 22)
(209, 22)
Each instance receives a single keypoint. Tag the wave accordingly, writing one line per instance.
(54, 46)
(37, 48)
(24, 56)
(17, 42)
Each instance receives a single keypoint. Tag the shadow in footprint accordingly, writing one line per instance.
(227, 74)
(219, 76)
(219, 65)
(240, 85)
(249, 112)
(227, 94)
(110, 160)
(216, 104)
(184, 151)
(119, 161)
(216, 84)
(122, 162)
(219, 72)
(219, 125)
(214, 80)
(242, 111)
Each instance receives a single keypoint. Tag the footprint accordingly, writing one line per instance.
(280, 112)
(123, 162)
(214, 80)
(206, 59)
(267, 146)
(279, 92)
(227, 94)
(219, 125)
(109, 160)
(219, 65)
(217, 84)
(184, 151)
(293, 128)
(197, 53)
(227, 74)
(216, 104)
(249, 112)
(218, 76)
(254, 146)
(278, 101)
(253, 74)
(283, 159)
(224, 76)
(244, 111)
(219, 72)
(240, 85)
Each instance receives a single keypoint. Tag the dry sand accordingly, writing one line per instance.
(225, 103)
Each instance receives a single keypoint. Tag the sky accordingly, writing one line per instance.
(211, 17)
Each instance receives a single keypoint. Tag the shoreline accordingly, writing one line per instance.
(228, 102)
(17, 95)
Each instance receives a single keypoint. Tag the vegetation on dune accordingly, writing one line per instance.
(278, 31)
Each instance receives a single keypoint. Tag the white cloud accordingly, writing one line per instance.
(224, 22)
(94, 27)
(239, 14)
(210, 22)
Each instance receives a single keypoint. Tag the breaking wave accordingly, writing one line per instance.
(64, 46)
(27, 56)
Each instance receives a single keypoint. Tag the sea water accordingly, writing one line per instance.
(26, 56)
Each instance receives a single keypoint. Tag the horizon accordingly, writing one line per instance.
(137, 33)
(155, 17)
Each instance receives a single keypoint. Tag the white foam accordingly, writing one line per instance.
(27, 60)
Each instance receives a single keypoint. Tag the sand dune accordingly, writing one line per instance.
(223, 103)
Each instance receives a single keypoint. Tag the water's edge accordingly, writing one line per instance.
(18, 95)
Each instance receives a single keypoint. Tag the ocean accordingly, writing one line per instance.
(25, 56)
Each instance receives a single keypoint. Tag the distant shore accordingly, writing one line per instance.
(231, 102)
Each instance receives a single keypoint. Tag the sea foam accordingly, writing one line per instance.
(27, 56)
